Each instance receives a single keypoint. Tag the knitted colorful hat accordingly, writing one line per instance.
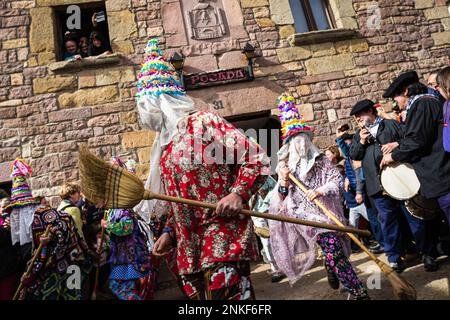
(20, 192)
(292, 122)
(157, 76)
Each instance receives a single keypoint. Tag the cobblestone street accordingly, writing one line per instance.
(314, 285)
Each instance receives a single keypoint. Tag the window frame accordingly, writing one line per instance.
(58, 11)
(310, 18)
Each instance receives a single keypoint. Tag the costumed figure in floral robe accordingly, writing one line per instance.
(63, 248)
(293, 246)
(130, 242)
(199, 155)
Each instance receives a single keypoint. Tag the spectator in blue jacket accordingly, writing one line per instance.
(355, 195)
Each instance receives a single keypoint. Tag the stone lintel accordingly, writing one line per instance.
(89, 62)
(320, 36)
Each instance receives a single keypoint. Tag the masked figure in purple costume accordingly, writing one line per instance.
(293, 246)
(130, 243)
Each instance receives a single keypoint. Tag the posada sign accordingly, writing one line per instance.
(196, 81)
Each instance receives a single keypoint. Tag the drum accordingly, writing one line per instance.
(422, 208)
(400, 181)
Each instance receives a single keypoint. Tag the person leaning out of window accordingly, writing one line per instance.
(98, 45)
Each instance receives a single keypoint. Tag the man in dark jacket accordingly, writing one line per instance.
(366, 146)
(357, 191)
(421, 144)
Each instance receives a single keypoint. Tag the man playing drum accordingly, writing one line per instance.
(421, 144)
(367, 146)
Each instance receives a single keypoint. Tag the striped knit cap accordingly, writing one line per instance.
(20, 193)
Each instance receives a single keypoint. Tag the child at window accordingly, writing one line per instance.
(84, 47)
(71, 50)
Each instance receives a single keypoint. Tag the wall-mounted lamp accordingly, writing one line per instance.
(249, 52)
(177, 60)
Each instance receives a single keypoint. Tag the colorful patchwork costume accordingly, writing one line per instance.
(130, 244)
(51, 276)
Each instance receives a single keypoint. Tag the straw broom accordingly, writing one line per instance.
(115, 187)
(403, 290)
(30, 266)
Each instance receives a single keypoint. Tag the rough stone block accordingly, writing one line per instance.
(261, 12)
(265, 22)
(16, 43)
(303, 90)
(293, 53)
(69, 114)
(307, 111)
(281, 12)
(441, 38)
(286, 31)
(138, 139)
(42, 19)
(436, 13)
(234, 59)
(144, 154)
(53, 84)
(122, 46)
(329, 64)
(173, 24)
(17, 79)
(89, 97)
(122, 25)
(254, 3)
(423, 4)
(323, 49)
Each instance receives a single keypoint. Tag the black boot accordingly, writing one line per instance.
(429, 263)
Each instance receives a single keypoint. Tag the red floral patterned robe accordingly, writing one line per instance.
(203, 237)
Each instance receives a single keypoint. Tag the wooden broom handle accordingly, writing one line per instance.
(99, 252)
(30, 267)
(333, 217)
(151, 195)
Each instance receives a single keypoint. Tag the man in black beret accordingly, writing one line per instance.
(355, 191)
(366, 146)
(421, 144)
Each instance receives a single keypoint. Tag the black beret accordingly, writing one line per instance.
(402, 81)
(362, 106)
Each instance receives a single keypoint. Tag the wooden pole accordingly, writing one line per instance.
(332, 216)
(151, 195)
(402, 288)
(97, 270)
(30, 267)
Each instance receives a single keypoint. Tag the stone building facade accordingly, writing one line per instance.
(47, 106)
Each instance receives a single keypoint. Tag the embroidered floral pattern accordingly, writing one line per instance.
(188, 171)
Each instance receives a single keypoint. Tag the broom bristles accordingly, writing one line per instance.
(403, 290)
(104, 183)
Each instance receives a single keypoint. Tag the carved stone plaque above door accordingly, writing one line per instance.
(195, 22)
(206, 20)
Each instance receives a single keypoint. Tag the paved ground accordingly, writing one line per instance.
(314, 285)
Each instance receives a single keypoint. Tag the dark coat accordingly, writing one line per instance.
(9, 257)
(422, 146)
(370, 154)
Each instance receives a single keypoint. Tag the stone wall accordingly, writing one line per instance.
(46, 109)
